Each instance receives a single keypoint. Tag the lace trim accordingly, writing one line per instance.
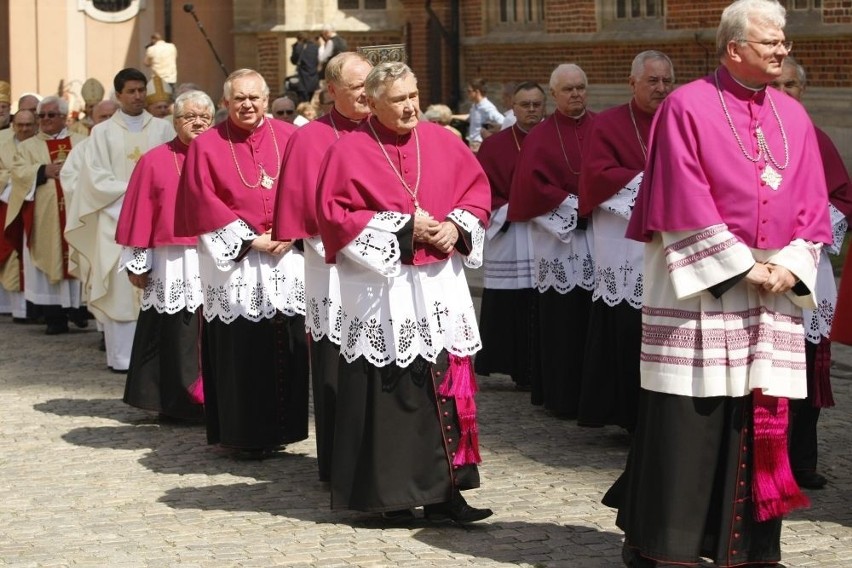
(135, 259)
(389, 221)
(426, 310)
(818, 325)
(562, 220)
(173, 295)
(226, 243)
(615, 285)
(839, 226)
(564, 273)
(468, 221)
(622, 203)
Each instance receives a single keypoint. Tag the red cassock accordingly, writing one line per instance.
(357, 182)
(295, 214)
(214, 192)
(147, 215)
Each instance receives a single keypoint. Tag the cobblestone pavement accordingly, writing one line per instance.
(88, 481)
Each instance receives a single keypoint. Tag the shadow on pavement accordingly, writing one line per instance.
(111, 408)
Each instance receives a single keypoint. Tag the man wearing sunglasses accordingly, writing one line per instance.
(37, 206)
(284, 109)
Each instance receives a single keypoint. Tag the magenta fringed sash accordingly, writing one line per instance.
(774, 490)
(196, 390)
(460, 384)
(820, 381)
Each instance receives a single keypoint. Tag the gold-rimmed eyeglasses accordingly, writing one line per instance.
(773, 44)
(189, 117)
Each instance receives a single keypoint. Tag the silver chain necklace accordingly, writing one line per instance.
(263, 179)
(769, 175)
(636, 130)
(562, 144)
(418, 211)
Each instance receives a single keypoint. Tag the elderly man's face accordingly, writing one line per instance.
(788, 81)
(398, 105)
(653, 85)
(248, 103)
(284, 109)
(50, 120)
(24, 125)
(569, 92)
(28, 102)
(103, 111)
(528, 106)
(348, 94)
(193, 119)
(160, 109)
(760, 56)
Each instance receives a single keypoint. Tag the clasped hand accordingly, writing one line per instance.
(264, 243)
(441, 235)
(771, 277)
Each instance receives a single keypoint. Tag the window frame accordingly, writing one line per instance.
(88, 6)
(609, 20)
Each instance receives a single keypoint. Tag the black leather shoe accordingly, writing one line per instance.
(456, 510)
(810, 479)
(56, 328)
(399, 516)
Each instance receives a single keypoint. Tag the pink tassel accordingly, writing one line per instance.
(822, 396)
(460, 383)
(196, 390)
(460, 380)
(774, 490)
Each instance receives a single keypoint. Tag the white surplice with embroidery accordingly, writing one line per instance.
(174, 282)
(255, 287)
(618, 260)
(324, 314)
(563, 258)
(392, 312)
(509, 257)
(818, 321)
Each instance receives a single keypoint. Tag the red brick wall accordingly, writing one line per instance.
(572, 16)
(836, 11)
(267, 60)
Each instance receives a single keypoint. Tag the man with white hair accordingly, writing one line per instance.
(613, 165)
(37, 204)
(401, 207)
(254, 351)
(544, 193)
(733, 210)
(164, 374)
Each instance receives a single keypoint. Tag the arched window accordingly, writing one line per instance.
(111, 5)
(111, 10)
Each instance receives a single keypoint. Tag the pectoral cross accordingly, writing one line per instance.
(135, 154)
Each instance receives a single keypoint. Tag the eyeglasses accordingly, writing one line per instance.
(773, 44)
(283, 112)
(205, 118)
(48, 115)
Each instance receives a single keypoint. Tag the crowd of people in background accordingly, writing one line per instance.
(659, 266)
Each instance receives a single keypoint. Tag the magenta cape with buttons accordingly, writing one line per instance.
(212, 195)
(697, 176)
(296, 197)
(356, 182)
(147, 214)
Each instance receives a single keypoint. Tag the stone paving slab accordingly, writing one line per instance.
(86, 481)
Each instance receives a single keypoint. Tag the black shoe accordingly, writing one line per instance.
(56, 328)
(400, 516)
(457, 510)
(78, 318)
(102, 343)
(810, 479)
(252, 454)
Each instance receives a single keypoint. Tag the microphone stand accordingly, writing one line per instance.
(191, 11)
